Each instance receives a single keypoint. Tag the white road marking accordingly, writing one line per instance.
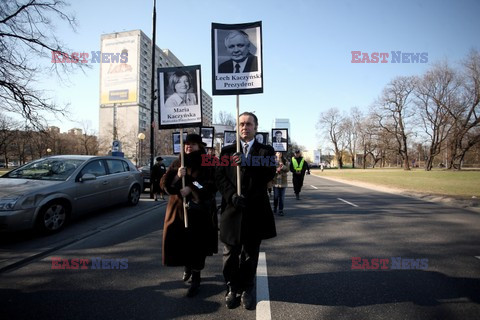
(314, 187)
(263, 297)
(352, 204)
(478, 257)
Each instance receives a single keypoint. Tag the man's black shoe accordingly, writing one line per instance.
(195, 286)
(187, 274)
(230, 299)
(247, 300)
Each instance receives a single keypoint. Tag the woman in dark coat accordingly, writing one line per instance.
(182, 246)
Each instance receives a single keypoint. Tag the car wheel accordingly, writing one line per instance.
(134, 195)
(52, 217)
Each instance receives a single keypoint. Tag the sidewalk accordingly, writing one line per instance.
(470, 204)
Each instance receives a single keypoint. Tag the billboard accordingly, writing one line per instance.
(119, 70)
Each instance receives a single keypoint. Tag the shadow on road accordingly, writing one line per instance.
(153, 302)
(362, 288)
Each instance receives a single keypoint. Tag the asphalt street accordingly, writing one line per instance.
(307, 271)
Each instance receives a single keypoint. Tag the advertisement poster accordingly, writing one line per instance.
(118, 70)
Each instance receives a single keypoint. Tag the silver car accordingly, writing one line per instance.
(46, 193)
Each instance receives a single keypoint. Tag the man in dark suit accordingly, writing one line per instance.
(238, 45)
(246, 219)
(278, 137)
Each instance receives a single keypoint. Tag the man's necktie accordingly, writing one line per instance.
(237, 68)
(245, 148)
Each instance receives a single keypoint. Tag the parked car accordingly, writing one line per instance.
(167, 161)
(49, 192)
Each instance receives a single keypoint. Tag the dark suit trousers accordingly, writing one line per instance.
(240, 265)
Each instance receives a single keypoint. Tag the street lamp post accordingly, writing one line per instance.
(49, 151)
(141, 137)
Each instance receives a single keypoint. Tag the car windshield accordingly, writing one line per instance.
(46, 169)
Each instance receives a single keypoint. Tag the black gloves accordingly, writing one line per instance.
(239, 201)
(238, 155)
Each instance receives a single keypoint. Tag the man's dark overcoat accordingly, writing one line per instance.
(256, 221)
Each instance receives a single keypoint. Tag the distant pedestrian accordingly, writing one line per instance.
(298, 167)
(190, 246)
(158, 170)
(279, 183)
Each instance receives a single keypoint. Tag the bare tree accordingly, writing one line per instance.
(367, 138)
(466, 113)
(27, 32)
(330, 122)
(225, 118)
(8, 129)
(88, 140)
(351, 127)
(437, 92)
(39, 144)
(394, 112)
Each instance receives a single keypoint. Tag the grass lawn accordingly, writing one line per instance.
(461, 184)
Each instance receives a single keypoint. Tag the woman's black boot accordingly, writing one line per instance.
(195, 285)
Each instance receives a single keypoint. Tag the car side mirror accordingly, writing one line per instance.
(87, 177)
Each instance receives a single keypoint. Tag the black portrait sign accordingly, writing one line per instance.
(280, 139)
(237, 60)
(180, 97)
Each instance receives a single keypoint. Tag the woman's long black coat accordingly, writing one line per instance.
(202, 233)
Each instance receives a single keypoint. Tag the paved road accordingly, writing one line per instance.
(308, 266)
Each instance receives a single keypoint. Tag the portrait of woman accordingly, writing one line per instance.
(180, 84)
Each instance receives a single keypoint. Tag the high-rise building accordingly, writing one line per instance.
(75, 131)
(125, 93)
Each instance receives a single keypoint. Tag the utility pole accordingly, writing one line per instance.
(115, 133)
(152, 96)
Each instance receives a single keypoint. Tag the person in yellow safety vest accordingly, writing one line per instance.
(298, 166)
